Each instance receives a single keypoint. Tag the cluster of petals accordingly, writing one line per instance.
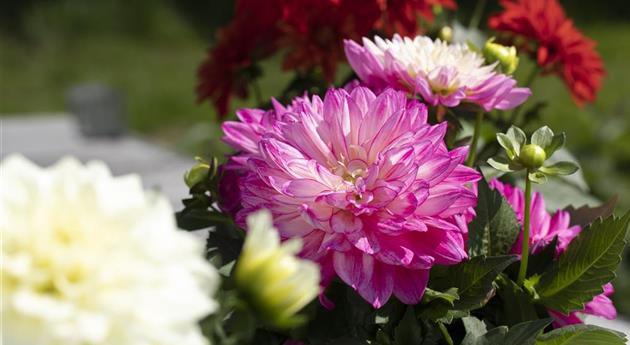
(367, 184)
(92, 259)
(543, 229)
(441, 73)
(309, 32)
(554, 41)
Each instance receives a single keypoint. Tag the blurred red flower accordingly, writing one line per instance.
(310, 32)
(556, 44)
(230, 64)
(314, 30)
(401, 16)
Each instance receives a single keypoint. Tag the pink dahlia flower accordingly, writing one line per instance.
(367, 184)
(543, 229)
(441, 73)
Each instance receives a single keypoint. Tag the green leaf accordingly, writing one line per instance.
(585, 215)
(475, 329)
(559, 193)
(516, 304)
(525, 333)
(557, 142)
(474, 282)
(581, 335)
(500, 163)
(474, 326)
(518, 137)
(223, 246)
(588, 263)
(541, 260)
(492, 337)
(495, 228)
(507, 144)
(408, 331)
(577, 179)
(449, 296)
(543, 137)
(537, 177)
(560, 168)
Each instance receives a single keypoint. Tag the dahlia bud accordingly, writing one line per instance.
(196, 174)
(275, 282)
(532, 156)
(506, 56)
(446, 34)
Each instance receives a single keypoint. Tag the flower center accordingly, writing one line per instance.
(352, 170)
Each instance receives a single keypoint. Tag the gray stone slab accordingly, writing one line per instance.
(46, 138)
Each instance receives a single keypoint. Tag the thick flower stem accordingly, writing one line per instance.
(445, 334)
(472, 150)
(525, 245)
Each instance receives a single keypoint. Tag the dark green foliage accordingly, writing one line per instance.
(588, 263)
(495, 228)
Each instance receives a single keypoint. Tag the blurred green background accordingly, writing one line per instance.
(150, 50)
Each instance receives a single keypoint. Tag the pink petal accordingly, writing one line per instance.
(304, 188)
(560, 320)
(409, 285)
(241, 136)
(378, 289)
(353, 267)
(345, 222)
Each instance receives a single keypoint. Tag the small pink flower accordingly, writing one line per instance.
(367, 184)
(543, 229)
(439, 72)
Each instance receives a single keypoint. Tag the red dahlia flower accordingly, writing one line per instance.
(311, 32)
(556, 44)
(314, 30)
(401, 16)
(229, 66)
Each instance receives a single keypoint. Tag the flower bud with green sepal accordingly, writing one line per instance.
(201, 172)
(506, 56)
(521, 155)
(532, 156)
(272, 279)
(196, 174)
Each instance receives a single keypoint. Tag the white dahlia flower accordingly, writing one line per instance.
(89, 259)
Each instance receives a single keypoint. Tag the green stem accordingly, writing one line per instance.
(478, 12)
(472, 150)
(528, 83)
(445, 334)
(522, 272)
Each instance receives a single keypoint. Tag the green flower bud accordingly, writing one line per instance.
(273, 280)
(507, 56)
(196, 174)
(446, 34)
(532, 156)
